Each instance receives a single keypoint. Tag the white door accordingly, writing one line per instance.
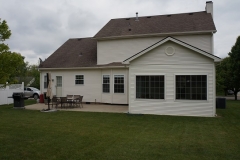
(59, 86)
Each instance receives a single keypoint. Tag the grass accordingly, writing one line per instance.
(26, 134)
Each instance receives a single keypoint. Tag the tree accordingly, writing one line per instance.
(235, 67)
(9, 61)
(34, 72)
(223, 75)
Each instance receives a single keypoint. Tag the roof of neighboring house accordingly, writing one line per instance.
(79, 52)
(161, 24)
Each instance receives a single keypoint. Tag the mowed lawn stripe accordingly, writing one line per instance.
(27, 134)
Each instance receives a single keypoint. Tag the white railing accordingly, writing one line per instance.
(7, 91)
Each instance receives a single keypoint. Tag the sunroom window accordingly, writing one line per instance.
(150, 87)
(191, 87)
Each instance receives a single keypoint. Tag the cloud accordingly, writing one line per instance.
(40, 27)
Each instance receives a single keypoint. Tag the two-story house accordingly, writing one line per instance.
(162, 64)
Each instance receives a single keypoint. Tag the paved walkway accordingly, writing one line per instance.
(86, 108)
(231, 97)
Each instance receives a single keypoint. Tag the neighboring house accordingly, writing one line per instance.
(161, 64)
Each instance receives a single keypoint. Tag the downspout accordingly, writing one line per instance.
(101, 85)
(112, 87)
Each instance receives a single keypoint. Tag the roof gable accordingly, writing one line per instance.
(215, 58)
(161, 24)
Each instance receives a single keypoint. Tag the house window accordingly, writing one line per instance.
(150, 87)
(106, 84)
(79, 79)
(45, 81)
(191, 87)
(118, 84)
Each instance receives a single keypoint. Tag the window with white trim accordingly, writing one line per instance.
(191, 87)
(45, 82)
(106, 84)
(118, 83)
(150, 87)
(79, 79)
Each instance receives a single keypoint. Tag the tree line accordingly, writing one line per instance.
(13, 69)
(228, 71)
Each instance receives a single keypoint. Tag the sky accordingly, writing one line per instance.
(39, 27)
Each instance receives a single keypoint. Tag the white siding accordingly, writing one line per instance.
(120, 49)
(183, 62)
(92, 87)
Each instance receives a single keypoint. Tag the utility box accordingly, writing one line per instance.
(18, 99)
(221, 103)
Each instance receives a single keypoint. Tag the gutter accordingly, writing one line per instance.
(77, 68)
(155, 35)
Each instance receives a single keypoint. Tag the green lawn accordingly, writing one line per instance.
(26, 134)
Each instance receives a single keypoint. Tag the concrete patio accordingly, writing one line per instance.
(86, 108)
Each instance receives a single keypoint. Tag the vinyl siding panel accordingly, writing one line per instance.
(182, 55)
(118, 50)
(171, 106)
(91, 90)
(156, 62)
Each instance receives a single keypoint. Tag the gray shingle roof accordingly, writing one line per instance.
(79, 52)
(185, 22)
(82, 52)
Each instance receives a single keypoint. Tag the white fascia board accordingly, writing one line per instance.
(156, 35)
(146, 50)
(76, 68)
(216, 59)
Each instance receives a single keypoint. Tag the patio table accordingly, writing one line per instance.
(65, 100)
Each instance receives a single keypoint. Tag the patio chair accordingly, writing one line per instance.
(64, 102)
(70, 100)
(55, 102)
(78, 101)
(69, 96)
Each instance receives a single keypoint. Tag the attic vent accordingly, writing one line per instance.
(127, 18)
(190, 13)
(80, 54)
(79, 39)
(169, 15)
(149, 17)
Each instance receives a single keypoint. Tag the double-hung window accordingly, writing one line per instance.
(119, 84)
(79, 79)
(191, 87)
(106, 84)
(150, 87)
(45, 81)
